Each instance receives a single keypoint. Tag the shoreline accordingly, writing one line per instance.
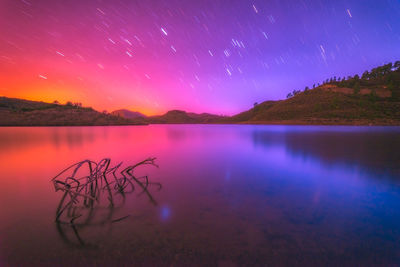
(286, 122)
(326, 123)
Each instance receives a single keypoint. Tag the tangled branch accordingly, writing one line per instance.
(84, 182)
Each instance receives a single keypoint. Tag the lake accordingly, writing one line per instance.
(228, 195)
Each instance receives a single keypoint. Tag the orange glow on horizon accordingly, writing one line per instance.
(64, 95)
(41, 88)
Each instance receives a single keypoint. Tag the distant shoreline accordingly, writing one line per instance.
(325, 123)
(54, 126)
(370, 100)
(272, 123)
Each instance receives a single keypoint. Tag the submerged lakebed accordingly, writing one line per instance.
(228, 195)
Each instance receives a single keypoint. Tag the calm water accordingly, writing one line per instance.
(231, 195)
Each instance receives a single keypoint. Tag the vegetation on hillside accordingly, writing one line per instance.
(128, 114)
(180, 117)
(131, 115)
(371, 99)
(18, 112)
(382, 77)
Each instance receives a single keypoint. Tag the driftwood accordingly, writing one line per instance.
(89, 187)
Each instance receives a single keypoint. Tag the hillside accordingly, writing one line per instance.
(373, 99)
(131, 115)
(171, 117)
(128, 114)
(318, 106)
(18, 112)
(181, 117)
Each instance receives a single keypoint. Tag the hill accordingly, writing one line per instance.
(19, 112)
(180, 117)
(373, 99)
(131, 115)
(128, 114)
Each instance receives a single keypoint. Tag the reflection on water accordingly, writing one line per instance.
(245, 195)
(373, 150)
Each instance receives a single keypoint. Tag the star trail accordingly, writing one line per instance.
(215, 56)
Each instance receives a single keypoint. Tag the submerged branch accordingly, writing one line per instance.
(82, 184)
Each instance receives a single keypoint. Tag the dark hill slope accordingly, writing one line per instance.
(372, 99)
(131, 115)
(128, 114)
(179, 117)
(319, 106)
(18, 112)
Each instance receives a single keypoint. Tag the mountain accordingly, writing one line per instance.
(373, 99)
(318, 106)
(19, 112)
(171, 117)
(180, 117)
(128, 114)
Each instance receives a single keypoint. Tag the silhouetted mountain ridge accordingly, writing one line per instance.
(125, 113)
(180, 116)
(373, 99)
(20, 112)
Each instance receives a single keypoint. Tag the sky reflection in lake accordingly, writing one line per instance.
(230, 194)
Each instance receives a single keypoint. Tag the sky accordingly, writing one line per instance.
(216, 56)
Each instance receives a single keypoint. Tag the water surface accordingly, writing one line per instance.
(231, 195)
